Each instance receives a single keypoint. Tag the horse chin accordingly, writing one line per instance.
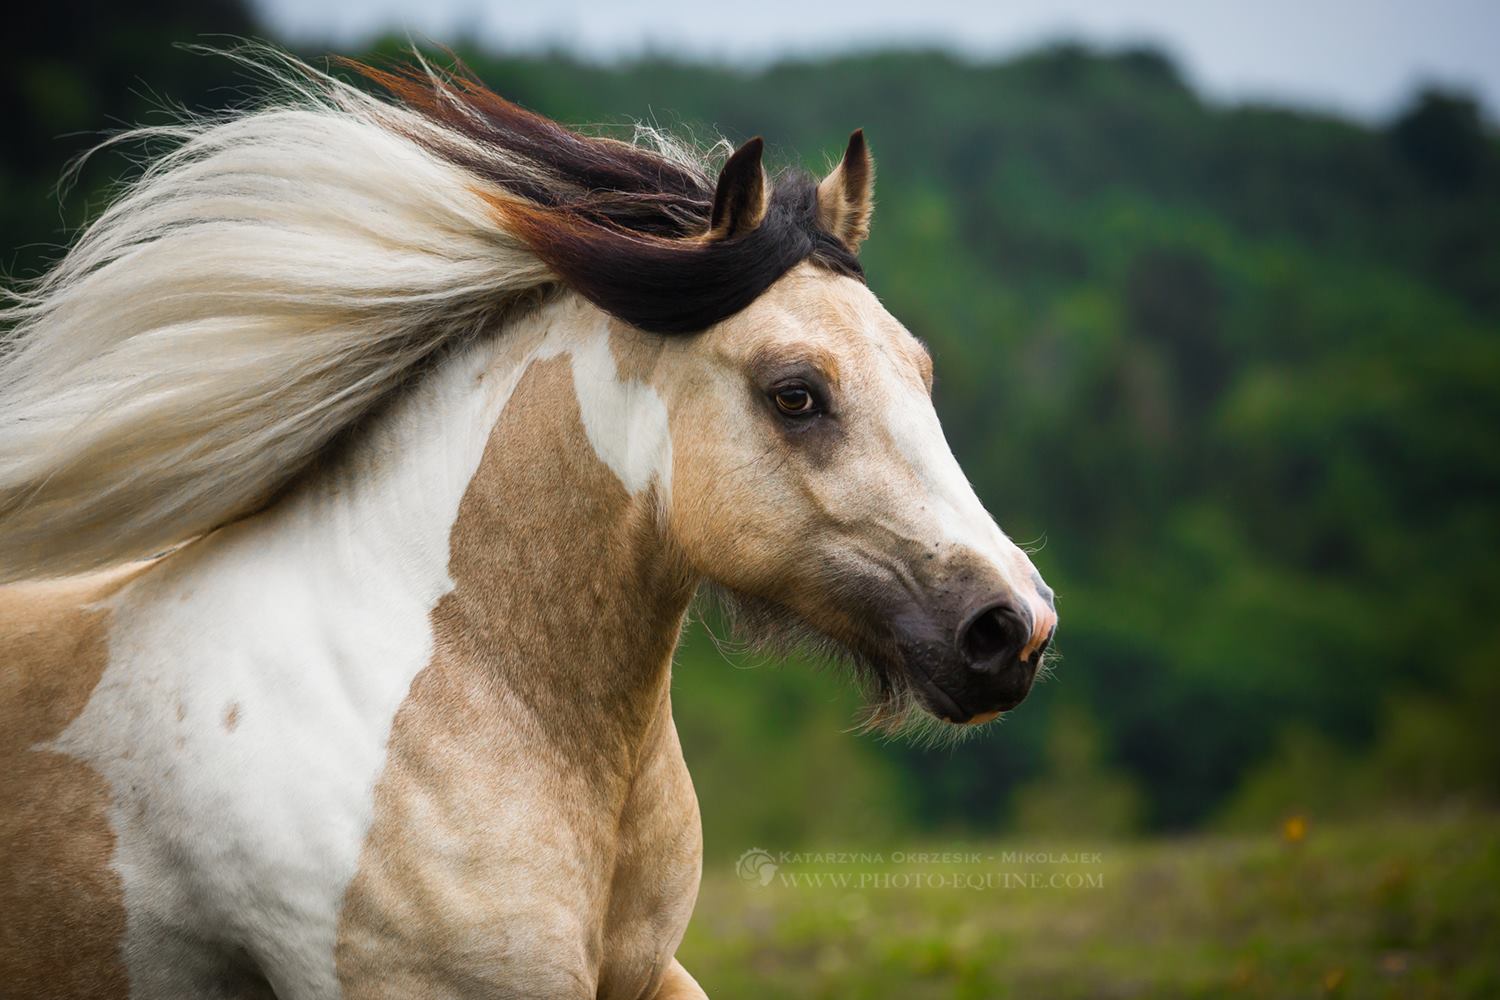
(944, 708)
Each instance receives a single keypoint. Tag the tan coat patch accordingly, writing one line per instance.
(534, 827)
(62, 911)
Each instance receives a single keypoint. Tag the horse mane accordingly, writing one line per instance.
(279, 272)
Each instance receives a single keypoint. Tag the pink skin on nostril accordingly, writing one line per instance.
(1044, 623)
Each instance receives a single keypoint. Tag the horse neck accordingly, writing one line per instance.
(514, 495)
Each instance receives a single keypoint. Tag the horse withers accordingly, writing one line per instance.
(444, 413)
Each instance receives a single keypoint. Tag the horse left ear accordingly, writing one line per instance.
(740, 199)
(847, 196)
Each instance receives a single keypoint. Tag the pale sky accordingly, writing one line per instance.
(1358, 57)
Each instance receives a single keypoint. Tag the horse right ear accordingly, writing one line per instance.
(740, 199)
(847, 196)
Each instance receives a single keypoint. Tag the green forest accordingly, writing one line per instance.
(1231, 371)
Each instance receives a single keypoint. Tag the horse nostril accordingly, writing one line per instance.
(990, 634)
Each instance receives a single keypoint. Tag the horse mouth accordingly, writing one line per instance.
(944, 706)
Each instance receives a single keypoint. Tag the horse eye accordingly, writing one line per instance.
(794, 400)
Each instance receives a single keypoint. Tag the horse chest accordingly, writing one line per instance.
(496, 867)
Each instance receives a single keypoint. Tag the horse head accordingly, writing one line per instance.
(813, 485)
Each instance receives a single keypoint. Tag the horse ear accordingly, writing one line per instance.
(740, 199)
(847, 196)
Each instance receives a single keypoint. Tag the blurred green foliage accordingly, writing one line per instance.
(1077, 794)
(1233, 371)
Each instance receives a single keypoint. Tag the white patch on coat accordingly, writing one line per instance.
(961, 517)
(313, 619)
(948, 498)
(626, 421)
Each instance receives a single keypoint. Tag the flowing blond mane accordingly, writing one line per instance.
(282, 270)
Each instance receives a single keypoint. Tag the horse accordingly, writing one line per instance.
(358, 468)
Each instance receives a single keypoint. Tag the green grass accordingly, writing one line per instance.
(1406, 907)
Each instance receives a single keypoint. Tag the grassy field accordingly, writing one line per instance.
(1405, 907)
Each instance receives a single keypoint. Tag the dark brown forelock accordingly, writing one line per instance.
(621, 224)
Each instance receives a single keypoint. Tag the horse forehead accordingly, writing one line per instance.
(822, 313)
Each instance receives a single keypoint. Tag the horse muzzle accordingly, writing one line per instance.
(971, 665)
